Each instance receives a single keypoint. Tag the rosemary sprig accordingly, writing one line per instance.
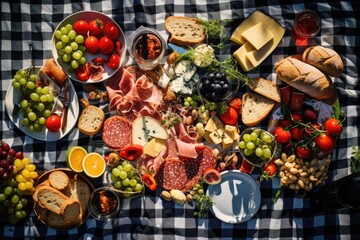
(215, 29)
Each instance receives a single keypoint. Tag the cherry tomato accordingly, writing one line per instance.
(92, 44)
(333, 126)
(270, 169)
(53, 123)
(96, 27)
(82, 74)
(297, 133)
(309, 131)
(285, 122)
(297, 117)
(118, 47)
(113, 61)
(81, 27)
(149, 181)
(106, 45)
(236, 103)
(324, 142)
(111, 30)
(303, 152)
(282, 135)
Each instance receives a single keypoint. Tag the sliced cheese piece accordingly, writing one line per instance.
(154, 147)
(207, 136)
(231, 131)
(146, 128)
(241, 56)
(256, 57)
(213, 124)
(225, 146)
(257, 35)
(215, 137)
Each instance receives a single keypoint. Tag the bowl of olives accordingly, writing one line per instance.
(216, 87)
(257, 146)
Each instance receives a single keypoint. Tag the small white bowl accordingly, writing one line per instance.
(89, 16)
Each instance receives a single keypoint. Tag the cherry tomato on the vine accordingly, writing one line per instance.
(282, 135)
(270, 169)
(81, 27)
(309, 130)
(96, 27)
(333, 126)
(303, 152)
(324, 142)
(297, 133)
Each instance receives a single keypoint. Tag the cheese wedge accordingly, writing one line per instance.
(241, 55)
(257, 35)
(146, 128)
(154, 147)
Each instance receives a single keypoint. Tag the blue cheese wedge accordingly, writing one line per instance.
(185, 78)
(146, 128)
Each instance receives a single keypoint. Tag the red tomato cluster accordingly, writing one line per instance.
(299, 132)
(100, 37)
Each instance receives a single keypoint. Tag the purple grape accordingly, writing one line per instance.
(2, 171)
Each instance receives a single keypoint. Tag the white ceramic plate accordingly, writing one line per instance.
(89, 16)
(11, 99)
(236, 198)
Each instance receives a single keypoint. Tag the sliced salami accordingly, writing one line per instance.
(205, 157)
(116, 132)
(171, 174)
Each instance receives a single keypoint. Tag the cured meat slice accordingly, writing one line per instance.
(172, 174)
(193, 173)
(205, 157)
(116, 132)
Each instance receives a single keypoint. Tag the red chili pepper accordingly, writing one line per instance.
(149, 181)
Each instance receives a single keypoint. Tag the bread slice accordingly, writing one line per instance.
(35, 194)
(79, 191)
(91, 120)
(266, 88)
(51, 199)
(70, 210)
(185, 31)
(255, 108)
(58, 180)
(55, 220)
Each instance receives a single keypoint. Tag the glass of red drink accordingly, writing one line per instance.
(306, 25)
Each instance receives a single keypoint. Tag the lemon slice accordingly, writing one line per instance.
(74, 158)
(94, 165)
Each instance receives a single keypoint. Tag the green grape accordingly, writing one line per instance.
(186, 104)
(50, 97)
(247, 137)
(124, 163)
(69, 26)
(131, 173)
(115, 172)
(74, 64)
(267, 153)
(68, 49)
(133, 182)
(15, 199)
(23, 73)
(31, 85)
(22, 81)
(30, 128)
(38, 90)
(248, 152)
(63, 30)
(32, 116)
(16, 85)
(188, 99)
(8, 190)
(250, 145)
(17, 77)
(74, 46)
(43, 98)
(2, 196)
(33, 78)
(59, 45)
(19, 206)
(34, 96)
(123, 174)
(58, 34)
(125, 182)
(82, 48)
(77, 55)
(24, 103)
(61, 52)
(37, 127)
(258, 152)
(266, 138)
(79, 39)
(40, 106)
(65, 38)
(66, 57)
(18, 214)
(138, 187)
(42, 120)
(45, 90)
(24, 201)
(242, 144)
(128, 167)
(117, 185)
(47, 113)
(71, 34)
(202, 108)
(120, 167)
(253, 135)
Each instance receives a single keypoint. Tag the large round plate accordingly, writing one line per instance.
(11, 99)
(236, 198)
(89, 16)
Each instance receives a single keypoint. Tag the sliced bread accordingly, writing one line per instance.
(185, 31)
(266, 88)
(51, 199)
(35, 194)
(255, 108)
(70, 210)
(91, 120)
(55, 220)
(58, 180)
(79, 191)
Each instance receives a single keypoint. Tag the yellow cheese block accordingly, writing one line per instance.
(154, 147)
(257, 35)
(207, 136)
(213, 124)
(231, 131)
(248, 57)
(215, 137)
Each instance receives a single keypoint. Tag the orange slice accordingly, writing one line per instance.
(94, 165)
(75, 158)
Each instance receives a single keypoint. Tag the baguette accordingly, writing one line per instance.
(325, 59)
(51, 199)
(91, 120)
(58, 180)
(266, 88)
(70, 210)
(35, 194)
(52, 70)
(304, 77)
(185, 31)
(255, 108)
(57, 221)
(79, 191)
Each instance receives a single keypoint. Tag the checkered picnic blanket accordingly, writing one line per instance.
(149, 216)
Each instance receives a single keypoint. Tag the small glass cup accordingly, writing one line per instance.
(104, 204)
(306, 25)
(147, 48)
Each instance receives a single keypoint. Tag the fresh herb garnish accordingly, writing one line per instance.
(355, 160)
(215, 29)
(170, 121)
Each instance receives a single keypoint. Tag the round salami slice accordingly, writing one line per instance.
(116, 132)
(205, 157)
(171, 174)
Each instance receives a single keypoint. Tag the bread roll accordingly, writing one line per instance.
(325, 59)
(51, 69)
(305, 78)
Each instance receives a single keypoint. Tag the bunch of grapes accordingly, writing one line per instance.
(25, 174)
(70, 46)
(215, 87)
(7, 157)
(124, 177)
(36, 102)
